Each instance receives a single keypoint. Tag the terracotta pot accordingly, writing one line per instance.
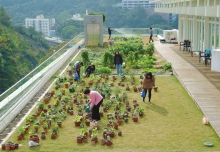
(8, 147)
(119, 121)
(141, 114)
(119, 133)
(16, 146)
(87, 123)
(12, 146)
(59, 124)
(102, 142)
(20, 137)
(36, 130)
(43, 135)
(116, 126)
(112, 134)
(77, 124)
(3, 146)
(71, 112)
(93, 142)
(108, 143)
(53, 136)
(85, 139)
(135, 119)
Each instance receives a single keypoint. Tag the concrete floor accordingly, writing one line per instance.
(202, 84)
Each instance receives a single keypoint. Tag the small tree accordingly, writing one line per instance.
(150, 49)
(85, 58)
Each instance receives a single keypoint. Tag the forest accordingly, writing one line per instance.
(63, 11)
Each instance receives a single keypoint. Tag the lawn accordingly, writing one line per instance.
(172, 122)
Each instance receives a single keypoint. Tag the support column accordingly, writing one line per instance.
(206, 34)
(215, 27)
(219, 33)
(185, 28)
(195, 34)
(180, 38)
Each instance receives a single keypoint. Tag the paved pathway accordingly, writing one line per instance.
(204, 91)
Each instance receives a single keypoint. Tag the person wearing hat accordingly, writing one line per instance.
(148, 83)
(96, 100)
(77, 67)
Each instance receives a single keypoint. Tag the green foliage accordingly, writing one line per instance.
(104, 70)
(17, 55)
(4, 17)
(108, 59)
(98, 13)
(150, 49)
(85, 58)
(167, 67)
(68, 32)
(149, 70)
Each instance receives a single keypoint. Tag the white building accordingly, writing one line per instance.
(40, 24)
(77, 17)
(199, 21)
(133, 3)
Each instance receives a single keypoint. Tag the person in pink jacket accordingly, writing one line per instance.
(96, 100)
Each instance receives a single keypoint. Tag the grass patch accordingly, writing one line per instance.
(172, 122)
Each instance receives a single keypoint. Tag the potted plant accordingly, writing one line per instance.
(112, 131)
(20, 132)
(108, 141)
(45, 127)
(36, 127)
(155, 88)
(78, 120)
(140, 111)
(119, 133)
(54, 132)
(102, 140)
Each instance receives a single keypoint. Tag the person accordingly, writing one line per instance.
(118, 63)
(96, 100)
(109, 32)
(77, 67)
(90, 69)
(151, 35)
(148, 83)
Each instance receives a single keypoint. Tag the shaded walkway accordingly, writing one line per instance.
(202, 84)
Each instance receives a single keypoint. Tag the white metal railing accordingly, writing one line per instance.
(24, 90)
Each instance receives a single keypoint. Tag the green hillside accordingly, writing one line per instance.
(20, 51)
(63, 10)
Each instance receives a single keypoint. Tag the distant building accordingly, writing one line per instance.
(133, 3)
(148, 6)
(77, 17)
(41, 24)
(167, 16)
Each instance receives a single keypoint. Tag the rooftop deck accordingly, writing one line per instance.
(202, 84)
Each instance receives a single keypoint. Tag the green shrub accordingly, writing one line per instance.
(167, 67)
(150, 49)
(104, 70)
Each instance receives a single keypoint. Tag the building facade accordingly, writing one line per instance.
(40, 24)
(199, 21)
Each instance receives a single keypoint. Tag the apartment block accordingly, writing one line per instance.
(40, 24)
